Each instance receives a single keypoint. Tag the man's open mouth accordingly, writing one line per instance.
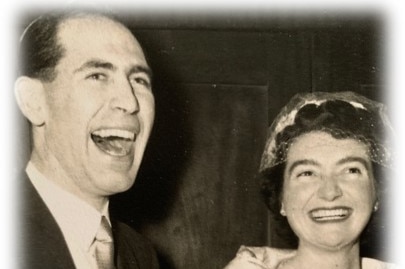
(115, 142)
(332, 214)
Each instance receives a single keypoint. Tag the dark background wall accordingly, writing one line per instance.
(219, 81)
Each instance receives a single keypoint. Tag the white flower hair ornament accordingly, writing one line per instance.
(380, 148)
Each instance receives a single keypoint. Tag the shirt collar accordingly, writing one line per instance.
(78, 220)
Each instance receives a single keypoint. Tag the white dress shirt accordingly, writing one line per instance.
(78, 220)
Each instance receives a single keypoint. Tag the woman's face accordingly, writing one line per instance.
(329, 190)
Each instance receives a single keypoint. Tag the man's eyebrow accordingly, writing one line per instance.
(95, 64)
(141, 69)
(302, 162)
(107, 65)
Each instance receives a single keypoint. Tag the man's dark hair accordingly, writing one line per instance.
(40, 51)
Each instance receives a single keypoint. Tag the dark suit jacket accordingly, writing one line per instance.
(42, 244)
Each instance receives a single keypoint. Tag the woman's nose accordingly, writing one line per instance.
(329, 189)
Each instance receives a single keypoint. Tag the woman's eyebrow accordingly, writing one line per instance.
(302, 162)
(349, 159)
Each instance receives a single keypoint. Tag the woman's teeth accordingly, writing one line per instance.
(330, 214)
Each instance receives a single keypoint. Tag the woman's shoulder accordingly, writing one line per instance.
(271, 258)
(368, 263)
(259, 258)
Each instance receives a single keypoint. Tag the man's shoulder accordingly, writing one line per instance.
(124, 234)
(40, 240)
(134, 250)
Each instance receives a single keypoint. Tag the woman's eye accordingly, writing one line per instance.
(305, 174)
(354, 170)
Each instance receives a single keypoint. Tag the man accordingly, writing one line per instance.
(85, 86)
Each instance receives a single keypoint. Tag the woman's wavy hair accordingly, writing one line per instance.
(341, 120)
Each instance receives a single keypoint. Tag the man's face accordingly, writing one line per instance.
(329, 190)
(100, 108)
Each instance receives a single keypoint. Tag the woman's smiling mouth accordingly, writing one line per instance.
(115, 142)
(330, 214)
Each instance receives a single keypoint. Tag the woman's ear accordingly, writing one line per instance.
(30, 97)
(282, 210)
(376, 206)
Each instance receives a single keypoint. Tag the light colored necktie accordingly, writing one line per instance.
(104, 246)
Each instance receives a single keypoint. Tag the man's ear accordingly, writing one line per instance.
(30, 97)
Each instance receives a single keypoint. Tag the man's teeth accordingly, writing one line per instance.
(330, 214)
(115, 133)
(115, 142)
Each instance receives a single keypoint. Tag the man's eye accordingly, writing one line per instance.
(142, 81)
(97, 76)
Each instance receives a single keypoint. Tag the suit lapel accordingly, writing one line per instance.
(124, 252)
(131, 249)
(42, 240)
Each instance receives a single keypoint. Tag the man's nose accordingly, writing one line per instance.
(329, 189)
(124, 98)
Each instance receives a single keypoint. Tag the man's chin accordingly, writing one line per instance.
(115, 183)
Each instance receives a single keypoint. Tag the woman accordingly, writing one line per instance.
(322, 172)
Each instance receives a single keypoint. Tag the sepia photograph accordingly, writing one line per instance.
(174, 138)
